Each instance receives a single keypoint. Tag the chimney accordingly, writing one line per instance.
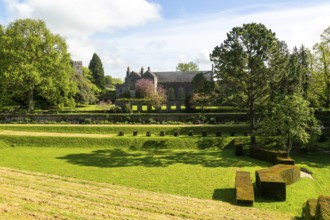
(149, 68)
(142, 71)
(128, 71)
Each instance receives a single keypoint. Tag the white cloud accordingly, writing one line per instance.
(193, 39)
(105, 27)
(85, 17)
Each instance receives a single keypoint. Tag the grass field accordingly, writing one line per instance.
(30, 195)
(171, 165)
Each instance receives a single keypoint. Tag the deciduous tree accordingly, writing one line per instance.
(187, 67)
(290, 120)
(146, 89)
(36, 63)
(320, 67)
(87, 91)
(242, 67)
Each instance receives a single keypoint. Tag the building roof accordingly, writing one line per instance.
(179, 77)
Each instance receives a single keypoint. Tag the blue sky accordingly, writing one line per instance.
(162, 33)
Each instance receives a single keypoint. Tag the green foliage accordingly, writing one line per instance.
(146, 89)
(187, 67)
(291, 120)
(320, 66)
(117, 81)
(96, 68)
(36, 67)
(242, 67)
(87, 91)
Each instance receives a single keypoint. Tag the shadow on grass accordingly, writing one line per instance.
(159, 158)
(317, 160)
(225, 195)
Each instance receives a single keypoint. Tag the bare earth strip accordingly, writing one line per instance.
(30, 195)
(53, 134)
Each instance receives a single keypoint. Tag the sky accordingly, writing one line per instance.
(162, 33)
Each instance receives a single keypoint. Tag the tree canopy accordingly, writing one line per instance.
(35, 65)
(96, 68)
(146, 89)
(87, 91)
(320, 67)
(187, 67)
(290, 119)
(242, 67)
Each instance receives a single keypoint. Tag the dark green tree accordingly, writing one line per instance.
(96, 68)
(36, 64)
(108, 81)
(187, 67)
(242, 68)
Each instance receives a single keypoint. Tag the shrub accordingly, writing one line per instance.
(323, 208)
(244, 188)
(309, 209)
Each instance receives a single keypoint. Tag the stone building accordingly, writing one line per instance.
(77, 67)
(178, 85)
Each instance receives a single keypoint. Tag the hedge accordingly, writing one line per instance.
(318, 209)
(272, 181)
(244, 188)
(271, 156)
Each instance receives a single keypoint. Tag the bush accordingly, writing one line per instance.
(244, 188)
(267, 155)
(271, 185)
(309, 209)
(323, 208)
(316, 209)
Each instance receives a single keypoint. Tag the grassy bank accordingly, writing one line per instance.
(30, 195)
(239, 129)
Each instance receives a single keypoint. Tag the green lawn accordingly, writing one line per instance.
(189, 166)
(207, 174)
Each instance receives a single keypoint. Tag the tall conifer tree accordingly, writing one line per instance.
(96, 67)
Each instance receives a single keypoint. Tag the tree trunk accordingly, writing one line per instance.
(289, 146)
(30, 100)
(252, 122)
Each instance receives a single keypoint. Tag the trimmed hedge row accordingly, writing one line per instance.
(316, 209)
(272, 181)
(271, 156)
(141, 142)
(244, 189)
(132, 118)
